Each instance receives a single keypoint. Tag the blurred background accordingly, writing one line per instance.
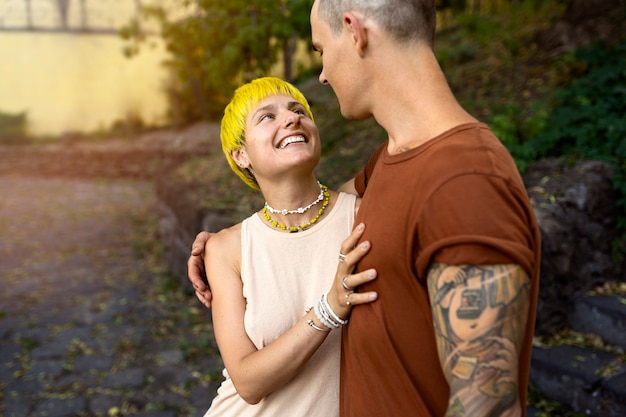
(83, 65)
(109, 131)
(63, 66)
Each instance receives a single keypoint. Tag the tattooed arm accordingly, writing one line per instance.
(480, 315)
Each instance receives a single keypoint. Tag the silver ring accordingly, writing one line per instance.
(342, 257)
(344, 285)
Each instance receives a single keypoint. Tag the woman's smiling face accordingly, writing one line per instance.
(279, 134)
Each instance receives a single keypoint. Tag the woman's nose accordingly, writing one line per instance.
(291, 119)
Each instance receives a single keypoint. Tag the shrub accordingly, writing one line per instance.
(12, 126)
(586, 120)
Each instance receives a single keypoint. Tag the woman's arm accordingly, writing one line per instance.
(256, 373)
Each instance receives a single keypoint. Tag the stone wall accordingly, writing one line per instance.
(577, 212)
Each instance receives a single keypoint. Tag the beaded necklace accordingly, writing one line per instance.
(299, 210)
(303, 226)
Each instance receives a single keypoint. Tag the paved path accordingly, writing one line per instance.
(90, 322)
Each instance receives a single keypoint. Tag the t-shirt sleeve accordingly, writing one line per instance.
(362, 177)
(476, 219)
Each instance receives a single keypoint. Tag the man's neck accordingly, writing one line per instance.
(416, 103)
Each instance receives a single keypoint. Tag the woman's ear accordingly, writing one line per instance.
(240, 157)
(353, 23)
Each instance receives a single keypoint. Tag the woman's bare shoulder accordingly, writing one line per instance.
(222, 257)
(225, 242)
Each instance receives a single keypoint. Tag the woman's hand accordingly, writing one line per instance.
(342, 295)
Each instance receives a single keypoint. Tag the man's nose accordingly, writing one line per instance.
(322, 78)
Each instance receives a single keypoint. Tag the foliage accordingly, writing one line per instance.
(12, 126)
(477, 5)
(586, 120)
(540, 103)
(500, 76)
(587, 114)
(220, 45)
(548, 408)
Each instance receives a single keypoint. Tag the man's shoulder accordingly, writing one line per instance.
(472, 147)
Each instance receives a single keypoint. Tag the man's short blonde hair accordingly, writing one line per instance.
(405, 20)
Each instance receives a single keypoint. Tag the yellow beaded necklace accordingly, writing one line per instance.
(303, 226)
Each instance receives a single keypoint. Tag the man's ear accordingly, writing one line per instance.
(357, 30)
(240, 157)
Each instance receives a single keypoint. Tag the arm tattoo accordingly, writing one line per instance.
(479, 315)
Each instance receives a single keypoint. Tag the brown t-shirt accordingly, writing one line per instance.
(457, 199)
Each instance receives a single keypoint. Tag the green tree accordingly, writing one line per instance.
(221, 44)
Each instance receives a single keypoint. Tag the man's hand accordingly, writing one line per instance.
(195, 269)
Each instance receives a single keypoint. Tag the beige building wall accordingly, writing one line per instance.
(84, 83)
(76, 82)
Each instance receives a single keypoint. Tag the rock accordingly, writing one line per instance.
(575, 376)
(577, 212)
(603, 315)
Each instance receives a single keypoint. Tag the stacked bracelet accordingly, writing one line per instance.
(323, 316)
(326, 315)
(338, 320)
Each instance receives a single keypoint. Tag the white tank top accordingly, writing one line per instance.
(283, 274)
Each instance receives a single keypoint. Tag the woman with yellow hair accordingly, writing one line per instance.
(278, 290)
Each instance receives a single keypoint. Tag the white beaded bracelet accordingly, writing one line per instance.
(333, 315)
(323, 317)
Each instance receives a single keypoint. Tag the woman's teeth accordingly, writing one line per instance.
(290, 140)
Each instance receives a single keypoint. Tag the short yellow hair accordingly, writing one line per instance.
(246, 97)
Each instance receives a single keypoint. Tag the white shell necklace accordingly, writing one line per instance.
(299, 210)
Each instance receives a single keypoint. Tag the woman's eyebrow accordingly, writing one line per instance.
(294, 104)
(269, 107)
